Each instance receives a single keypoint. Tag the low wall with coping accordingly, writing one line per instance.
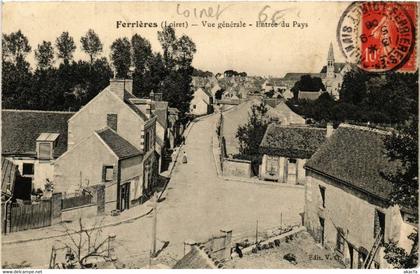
(237, 168)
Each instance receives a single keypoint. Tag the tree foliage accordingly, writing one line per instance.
(91, 44)
(44, 55)
(65, 47)
(15, 47)
(121, 57)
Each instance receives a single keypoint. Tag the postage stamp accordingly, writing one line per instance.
(379, 36)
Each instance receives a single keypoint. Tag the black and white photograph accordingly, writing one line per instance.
(209, 135)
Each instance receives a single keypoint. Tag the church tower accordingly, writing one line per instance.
(330, 62)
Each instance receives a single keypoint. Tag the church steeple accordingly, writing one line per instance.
(330, 62)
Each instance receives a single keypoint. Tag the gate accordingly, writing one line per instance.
(25, 217)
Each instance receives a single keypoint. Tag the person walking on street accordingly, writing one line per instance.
(184, 158)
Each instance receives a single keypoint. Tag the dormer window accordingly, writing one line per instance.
(45, 145)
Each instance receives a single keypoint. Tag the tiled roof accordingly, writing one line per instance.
(295, 76)
(284, 114)
(292, 141)
(21, 128)
(355, 155)
(195, 259)
(309, 95)
(9, 171)
(120, 146)
(337, 67)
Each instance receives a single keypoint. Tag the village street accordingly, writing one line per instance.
(197, 204)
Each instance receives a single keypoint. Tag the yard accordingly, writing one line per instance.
(307, 252)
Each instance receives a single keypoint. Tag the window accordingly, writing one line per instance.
(28, 169)
(379, 224)
(44, 151)
(272, 165)
(194, 106)
(340, 241)
(107, 173)
(146, 142)
(292, 161)
(322, 192)
(112, 121)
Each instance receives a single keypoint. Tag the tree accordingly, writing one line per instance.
(354, 88)
(402, 147)
(250, 135)
(167, 40)
(141, 52)
(91, 44)
(81, 245)
(65, 46)
(121, 57)
(44, 55)
(15, 47)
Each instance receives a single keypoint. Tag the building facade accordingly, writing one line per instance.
(347, 200)
(286, 149)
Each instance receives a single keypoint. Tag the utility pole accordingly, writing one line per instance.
(256, 233)
(156, 197)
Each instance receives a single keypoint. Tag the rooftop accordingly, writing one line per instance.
(292, 141)
(121, 147)
(21, 128)
(355, 155)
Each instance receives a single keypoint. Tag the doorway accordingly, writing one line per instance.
(125, 196)
(322, 230)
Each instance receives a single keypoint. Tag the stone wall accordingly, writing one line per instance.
(237, 168)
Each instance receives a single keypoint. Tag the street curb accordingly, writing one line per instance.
(260, 182)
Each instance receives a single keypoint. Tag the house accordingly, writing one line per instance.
(281, 113)
(286, 149)
(111, 141)
(9, 174)
(33, 140)
(309, 95)
(201, 103)
(347, 199)
(174, 131)
(197, 258)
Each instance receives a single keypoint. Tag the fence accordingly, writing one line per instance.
(76, 201)
(51, 211)
(26, 217)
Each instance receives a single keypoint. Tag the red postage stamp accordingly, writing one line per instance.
(379, 36)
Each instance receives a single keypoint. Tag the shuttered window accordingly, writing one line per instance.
(28, 169)
(44, 151)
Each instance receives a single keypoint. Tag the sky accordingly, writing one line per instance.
(270, 51)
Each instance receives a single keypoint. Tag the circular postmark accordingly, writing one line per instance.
(377, 36)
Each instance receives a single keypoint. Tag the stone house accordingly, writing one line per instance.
(33, 140)
(112, 142)
(201, 103)
(286, 149)
(347, 199)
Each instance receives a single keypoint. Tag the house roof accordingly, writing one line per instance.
(292, 141)
(309, 95)
(195, 259)
(284, 114)
(8, 174)
(21, 128)
(130, 100)
(356, 156)
(295, 76)
(120, 146)
(337, 67)
(160, 109)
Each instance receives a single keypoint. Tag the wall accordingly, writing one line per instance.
(132, 170)
(201, 106)
(94, 117)
(282, 175)
(86, 211)
(347, 210)
(238, 168)
(43, 170)
(82, 163)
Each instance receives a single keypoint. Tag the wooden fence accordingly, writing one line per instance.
(26, 217)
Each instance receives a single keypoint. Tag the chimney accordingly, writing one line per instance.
(118, 86)
(330, 130)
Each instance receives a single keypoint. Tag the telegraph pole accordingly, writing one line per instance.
(156, 197)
